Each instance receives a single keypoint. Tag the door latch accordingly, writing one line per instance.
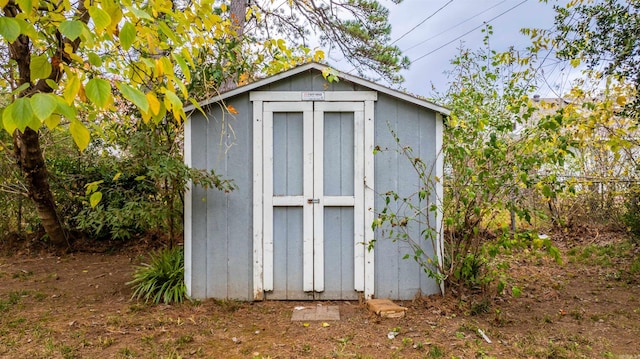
(313, 200)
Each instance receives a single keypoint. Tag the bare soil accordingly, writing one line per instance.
(78, 306)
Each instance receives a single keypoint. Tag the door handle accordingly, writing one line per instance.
(313, 200)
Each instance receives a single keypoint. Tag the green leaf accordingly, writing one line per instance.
(71, 29)
(80, 134)
(43, 105)
(20, 115)
(135, 96)
(516, 291)
(168, 32)
(98, 91)
(52, 84)
(95, 198)
(28, 29)
(25, 5)
(65, 109)
(100, 18)
(141, 14)
(127, 35)
(173, 99)
(94, 59)
(40, 67)
(183, 66)
(20, 88)
(9, 28)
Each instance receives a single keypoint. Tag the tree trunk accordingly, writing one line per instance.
(28, 153)
(238, 10)
(34, 170)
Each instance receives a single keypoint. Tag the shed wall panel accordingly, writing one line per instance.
(399, 278)
(221, 240)
(197, 247)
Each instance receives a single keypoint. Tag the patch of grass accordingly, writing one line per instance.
(305, 348)
(435, 352)
(105, 342)
(22, 274)
(126, 353)
(39, 296)
(67, 352)
(577, 314)
(229, 305)
(635, 266)
(114, 320)
(38, 331)
(136, 307)
(16, 322)
(184, 339)
(480, 307)
(601, 255)
(13, 299)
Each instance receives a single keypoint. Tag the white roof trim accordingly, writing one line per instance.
(320, 67)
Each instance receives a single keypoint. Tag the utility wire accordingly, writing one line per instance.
(468, 32)
(421, 22)
(453, 27)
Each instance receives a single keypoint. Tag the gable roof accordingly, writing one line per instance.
(320, 67)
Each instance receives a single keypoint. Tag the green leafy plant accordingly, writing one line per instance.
(497, 147)
(162, 280)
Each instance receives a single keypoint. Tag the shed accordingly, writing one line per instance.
(301, 151)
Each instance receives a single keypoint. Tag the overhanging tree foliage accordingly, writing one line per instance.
(66, 64)
(358, 29)
(604, 34)
(69, 61)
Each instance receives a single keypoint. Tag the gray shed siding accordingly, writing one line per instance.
(221, 223)
(395, 277)
(219, 260)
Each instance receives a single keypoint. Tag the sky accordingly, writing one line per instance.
(430, 32)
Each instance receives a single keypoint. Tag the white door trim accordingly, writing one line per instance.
(369, 197)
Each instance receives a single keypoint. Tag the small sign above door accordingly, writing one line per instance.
(313, 96)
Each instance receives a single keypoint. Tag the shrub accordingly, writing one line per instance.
(162, 279)
(631, 216)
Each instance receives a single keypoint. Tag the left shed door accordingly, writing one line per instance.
(313, 199)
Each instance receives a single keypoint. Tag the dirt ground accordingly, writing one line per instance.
(78, 306)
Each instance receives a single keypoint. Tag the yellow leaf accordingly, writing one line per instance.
(154, 103)
(318, 55)
(621, 100)
(52, 121)
(72, 88)
(575, 62)
(223, 7)
(95, 198)
(80, 134)
(146, 116)
(159, 68)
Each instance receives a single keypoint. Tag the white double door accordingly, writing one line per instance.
(313, 213)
